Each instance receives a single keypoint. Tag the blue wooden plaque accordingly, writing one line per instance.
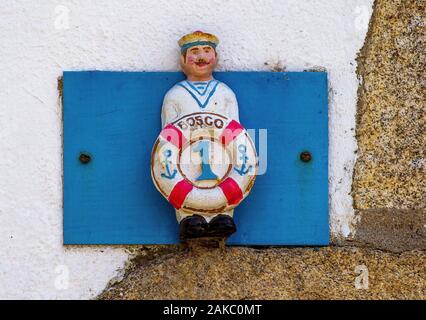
(115, 118)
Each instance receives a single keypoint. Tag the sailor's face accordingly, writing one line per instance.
(199, 62)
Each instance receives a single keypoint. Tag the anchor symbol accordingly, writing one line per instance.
(168, 153)
(243, 170)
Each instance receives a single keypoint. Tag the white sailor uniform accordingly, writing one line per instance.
(188, 97)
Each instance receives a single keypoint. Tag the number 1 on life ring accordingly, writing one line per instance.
(206, 170)
(207, 166)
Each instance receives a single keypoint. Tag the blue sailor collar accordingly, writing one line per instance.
(201, 91)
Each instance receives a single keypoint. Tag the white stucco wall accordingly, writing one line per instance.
(40, 39)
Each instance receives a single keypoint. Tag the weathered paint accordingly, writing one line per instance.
(115, 115)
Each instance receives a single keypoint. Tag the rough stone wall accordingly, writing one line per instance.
(389, 184)
(247, 273)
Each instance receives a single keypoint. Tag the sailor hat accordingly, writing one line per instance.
(197, 38)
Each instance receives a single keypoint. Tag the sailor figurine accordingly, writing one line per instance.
(201, 98)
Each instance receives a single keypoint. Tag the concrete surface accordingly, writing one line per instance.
(391, 229)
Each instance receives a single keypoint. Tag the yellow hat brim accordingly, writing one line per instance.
(198, 36)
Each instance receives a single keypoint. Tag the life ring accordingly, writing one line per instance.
(204, 163)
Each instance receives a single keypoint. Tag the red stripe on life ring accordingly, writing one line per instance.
(173, 135)
(231, 190)
(179, 193)
(232, 130)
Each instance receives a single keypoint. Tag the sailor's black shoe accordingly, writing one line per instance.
(193, 227)
(222, 226)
